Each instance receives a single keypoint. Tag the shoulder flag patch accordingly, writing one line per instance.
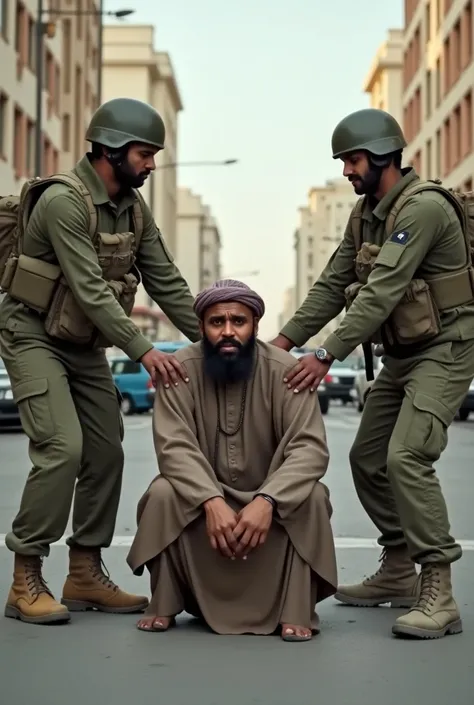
(400, 237)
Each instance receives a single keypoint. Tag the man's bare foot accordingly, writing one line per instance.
(155, 624)
(292, 632)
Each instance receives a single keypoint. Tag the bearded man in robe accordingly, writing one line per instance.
(236, 528)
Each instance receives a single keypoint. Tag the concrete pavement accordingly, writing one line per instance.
(354, 661)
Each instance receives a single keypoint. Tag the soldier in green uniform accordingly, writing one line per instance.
(404, 273)
(85, 246)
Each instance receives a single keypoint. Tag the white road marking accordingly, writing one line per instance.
(341, 542)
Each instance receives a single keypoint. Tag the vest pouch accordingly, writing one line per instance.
(66, 320)
(365, 260)
(8, 273)
(115, 252)
(416, 318)
(34, 282)
(125, 292)
(351, 292)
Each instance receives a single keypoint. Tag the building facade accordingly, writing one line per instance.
(384, 81)
(321, 227)
(132, 68)
(70, 79)
(438, 83)
(198, 243)
(288, 306)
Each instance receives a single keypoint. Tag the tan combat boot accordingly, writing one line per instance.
(30, 599)
(435, 613)
(88, 587)
(396, 582)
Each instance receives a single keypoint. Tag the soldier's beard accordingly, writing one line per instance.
(125, 174)
(369, 183)
(229, 368)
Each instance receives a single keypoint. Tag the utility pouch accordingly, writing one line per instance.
(416, 318)
(33, 282)
(8, 273)
(66, 320)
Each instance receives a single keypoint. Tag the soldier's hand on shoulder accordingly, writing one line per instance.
(165, 365)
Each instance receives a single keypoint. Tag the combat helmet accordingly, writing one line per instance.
(372, 130)
(120, 121)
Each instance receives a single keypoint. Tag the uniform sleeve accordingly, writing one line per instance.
(305, 452)
(163, 281)
(66, 221)
(416, 230)
(180, 458)
(326, 298)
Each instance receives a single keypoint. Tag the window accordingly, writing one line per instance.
(66, 62)
(4, 17)
(3, 122)
(66, 132)
(30, 148)
(18, 143)
(309, 283)
(428, 22)
(438, 83)
(32, 44)
(428, 80)
(429, 165)
(310, 260)
(125, 367)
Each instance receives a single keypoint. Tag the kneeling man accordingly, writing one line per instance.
(236, 528)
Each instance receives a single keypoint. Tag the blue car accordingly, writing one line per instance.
(133, 381)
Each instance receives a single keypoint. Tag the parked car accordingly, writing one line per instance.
(340, 380)
(468, 404)
(322, 389)
(133, 381)
(361, 386)
(9, 414)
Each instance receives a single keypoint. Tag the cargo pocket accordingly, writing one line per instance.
(34, 408)
(428, 431)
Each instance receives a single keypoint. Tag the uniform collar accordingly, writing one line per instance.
(88, 175)
(382, 209)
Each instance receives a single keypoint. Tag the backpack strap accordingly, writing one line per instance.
(356, 223)
(32, 194)
(137, 219)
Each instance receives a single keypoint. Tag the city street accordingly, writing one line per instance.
(355, 660)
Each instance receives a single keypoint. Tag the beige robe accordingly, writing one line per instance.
(281, 450)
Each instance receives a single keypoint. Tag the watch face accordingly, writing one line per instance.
(321, 354)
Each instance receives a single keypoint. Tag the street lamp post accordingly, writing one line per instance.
(41, 29)
(224, 162)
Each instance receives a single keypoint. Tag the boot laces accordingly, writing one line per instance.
(100, 572)
(430, 581)
(37, 585)
(381, 568)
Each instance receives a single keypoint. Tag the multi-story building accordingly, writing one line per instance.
(384, 81)
(288, 308)
(438, 80)
(132, 68)
(198, 250)
(70, 79)
(322, 223)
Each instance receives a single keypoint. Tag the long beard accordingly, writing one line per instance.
(228, 368)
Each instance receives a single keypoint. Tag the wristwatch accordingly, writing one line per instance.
(321, 354)
(268, 498)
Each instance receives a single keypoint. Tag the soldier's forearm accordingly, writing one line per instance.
(320, 307)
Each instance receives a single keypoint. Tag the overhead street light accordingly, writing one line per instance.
(48, 28)
(225, 162)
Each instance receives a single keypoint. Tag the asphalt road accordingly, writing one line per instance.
(355, 661)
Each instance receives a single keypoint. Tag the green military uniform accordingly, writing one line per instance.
(428, 366)
(63, 385)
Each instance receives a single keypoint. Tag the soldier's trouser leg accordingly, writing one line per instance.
(435, 387)
(99, 479)
(368, 457)
(39, 377)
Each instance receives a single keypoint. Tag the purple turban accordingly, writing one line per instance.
(228, 290)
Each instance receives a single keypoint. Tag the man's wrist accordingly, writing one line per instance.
(269, 499)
